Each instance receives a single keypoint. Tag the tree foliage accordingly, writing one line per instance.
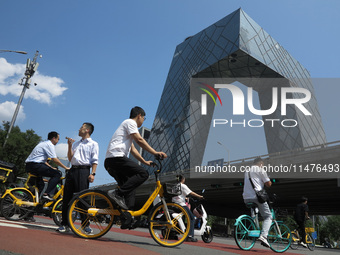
(331, 228)
(18, 146)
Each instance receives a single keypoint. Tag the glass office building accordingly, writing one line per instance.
(235, 47)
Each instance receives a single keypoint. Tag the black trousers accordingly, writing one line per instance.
(76, 180)
(128, 174)
(301, 229)
(40, 170)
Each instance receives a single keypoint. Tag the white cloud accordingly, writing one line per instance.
(7, 110)
(47, 88)
(8, 70)
(61, 150)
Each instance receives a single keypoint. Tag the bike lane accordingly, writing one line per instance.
(227, 248)
(22, 240)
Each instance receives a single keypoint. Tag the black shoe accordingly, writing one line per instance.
(126, 219)
(118, 199)
(191, 239)
(134, 224)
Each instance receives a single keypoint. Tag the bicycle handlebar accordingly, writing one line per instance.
(159, 165)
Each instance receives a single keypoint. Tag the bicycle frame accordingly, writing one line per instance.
(92, 205)
(147, 204)
(247, 230)
(256, 233)
(35, 197)
(298, 236)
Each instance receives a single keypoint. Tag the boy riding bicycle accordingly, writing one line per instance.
(128, 174)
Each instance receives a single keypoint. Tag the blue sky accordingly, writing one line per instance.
(101, 58)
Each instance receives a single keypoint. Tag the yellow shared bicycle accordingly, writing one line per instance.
(296, 239)
(18, 203)
(94, 207)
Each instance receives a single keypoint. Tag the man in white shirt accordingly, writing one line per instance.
(128, 174)
(259, 179)
(83, 156)
(36, 164)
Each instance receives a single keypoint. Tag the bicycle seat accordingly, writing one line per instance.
(251, 205)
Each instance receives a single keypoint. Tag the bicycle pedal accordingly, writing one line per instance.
(134, 224)
(126, 216)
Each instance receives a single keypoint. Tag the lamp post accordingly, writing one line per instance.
(226, 150)
(15, 51)
(31, 67)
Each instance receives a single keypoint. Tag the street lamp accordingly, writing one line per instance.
(226, 150)
(31, 67)
(15, 51)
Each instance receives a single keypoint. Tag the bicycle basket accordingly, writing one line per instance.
(309, 230)
(172, 189)
(7, 172)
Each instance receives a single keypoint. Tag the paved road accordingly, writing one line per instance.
(41, 238)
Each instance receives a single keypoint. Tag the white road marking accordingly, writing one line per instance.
(11, 225)
(17, 224)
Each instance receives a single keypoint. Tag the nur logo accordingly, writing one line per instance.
(239, 100)
(204, 97)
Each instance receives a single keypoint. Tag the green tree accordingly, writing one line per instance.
(19, 145)
(331, 228)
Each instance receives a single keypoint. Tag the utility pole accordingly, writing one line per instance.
(31, 67)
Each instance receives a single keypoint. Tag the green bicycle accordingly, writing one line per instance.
(247, 230)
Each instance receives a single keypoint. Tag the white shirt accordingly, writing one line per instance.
(121, 140)
(42, 152)
(181, 198)
(85, 152)
(259, 178)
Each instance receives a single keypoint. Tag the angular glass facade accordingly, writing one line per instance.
(234, 47)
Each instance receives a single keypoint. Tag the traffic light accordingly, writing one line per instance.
(275, 180)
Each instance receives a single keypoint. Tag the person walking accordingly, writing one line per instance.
(83, 156)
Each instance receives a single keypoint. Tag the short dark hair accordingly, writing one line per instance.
(303, 199)
(257, 160)
(52, 135)
(135, 111)
(179, 177)
(89, 126)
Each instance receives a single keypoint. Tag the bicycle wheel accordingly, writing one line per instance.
(10, 205)
(295, 241)
(57, 212)
(207, 236)
(279, 243)
(165, 233)
(310, 242)
(99, 222)
(241, 230)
